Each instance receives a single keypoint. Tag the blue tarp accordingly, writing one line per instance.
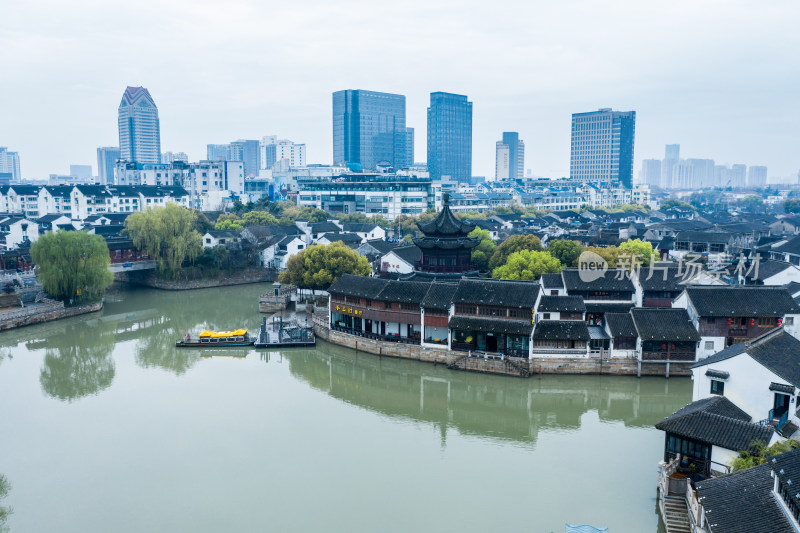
(585, 529)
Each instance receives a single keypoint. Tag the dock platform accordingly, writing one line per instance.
(284, 334)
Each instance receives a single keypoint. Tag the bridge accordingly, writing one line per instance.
(130, 266)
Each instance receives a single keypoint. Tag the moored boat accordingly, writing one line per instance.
(213, 339)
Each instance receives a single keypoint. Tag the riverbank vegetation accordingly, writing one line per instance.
(73, 266)
(760, 452)
(5, 511)
(168, 235)
(320, 265)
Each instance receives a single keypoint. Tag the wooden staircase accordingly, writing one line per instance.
(676, 515)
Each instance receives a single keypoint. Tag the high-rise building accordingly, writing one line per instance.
(672, 155)
(9, 164)
(409, 162)
(171, 157)
(80, 171)
(248, 152)
(107, 157)
(450, 136)
(273, 150)
(757, 176)
(369, 129)
(692, 174)
(509, 157)
(602, 146)
(139, 129)
(651, 172)
(217, 152)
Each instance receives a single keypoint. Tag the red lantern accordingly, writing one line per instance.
(752, 321)
(730, 322)
(780, 321)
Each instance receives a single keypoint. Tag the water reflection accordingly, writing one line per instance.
(5, 511)
(501, 407)
(77, 361)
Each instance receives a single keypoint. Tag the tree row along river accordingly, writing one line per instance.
(107, 426)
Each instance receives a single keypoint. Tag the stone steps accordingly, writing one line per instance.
(676, 515)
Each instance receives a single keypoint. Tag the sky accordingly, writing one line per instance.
(720, 78)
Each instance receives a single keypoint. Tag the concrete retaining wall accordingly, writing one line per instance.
(620, 367)
(47, 316)
(149, 279)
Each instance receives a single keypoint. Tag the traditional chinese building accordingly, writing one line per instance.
(446, 247)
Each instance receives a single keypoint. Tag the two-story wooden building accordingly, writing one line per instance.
(725, 316)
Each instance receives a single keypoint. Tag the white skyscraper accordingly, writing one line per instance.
(139, 128)
(9, 164)
(274, 150)
(756, 176)
(107, 157)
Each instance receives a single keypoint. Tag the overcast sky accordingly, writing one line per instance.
(721, 78)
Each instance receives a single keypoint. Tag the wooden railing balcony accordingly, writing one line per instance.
(444, 269)
(668, 356)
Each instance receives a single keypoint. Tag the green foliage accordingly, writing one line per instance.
(258, 218)
(792, 206)
(527, 265)
(471, 215)
(73, 265)
(5, 512)
(515, 243)
(641, 250)
(229, 224)
(759, 452)
(167, 234)
(361, 218)
(566, 251)
(673, 202)
(202, 224)
(484, 251)
(752, 202)
(609, 253)
(319, 266)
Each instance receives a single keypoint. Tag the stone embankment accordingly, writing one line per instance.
(149, 279)
(510, 366)
(45, 312)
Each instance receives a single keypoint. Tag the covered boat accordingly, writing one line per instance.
(210, 339)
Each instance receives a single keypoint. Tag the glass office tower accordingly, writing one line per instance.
(450, 136)
(369, 129)
(602, 146)
(139, 128)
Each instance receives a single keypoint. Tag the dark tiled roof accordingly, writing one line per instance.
(496, 325)
(787, 467)
(564, 304)
(742, 502)
(620, 324)
(520, 294)
(439, 296)
(344, 237)
(602, 307)
(717, 421)
(551, 281)
(360, 286)
(664, 325)
(359, 227)
(725, 301)
(703, 236)
(607, 282)
(409, 254)
(792, 246)
(403, 291)
(766, 269)
(561, 329)
(663, 277)
(324, 227)
(383, 247)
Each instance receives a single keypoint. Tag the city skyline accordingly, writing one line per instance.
(674, 85)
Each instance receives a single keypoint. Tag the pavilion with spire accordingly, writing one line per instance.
(446, 247)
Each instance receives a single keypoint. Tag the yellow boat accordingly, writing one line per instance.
(210, 339)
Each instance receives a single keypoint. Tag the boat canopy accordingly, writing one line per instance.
(218, 334)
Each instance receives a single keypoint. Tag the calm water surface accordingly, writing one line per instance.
(106, 426)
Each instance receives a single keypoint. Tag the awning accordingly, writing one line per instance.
(719, 374)
(598, 333)
(780, 387)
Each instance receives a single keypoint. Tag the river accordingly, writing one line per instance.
(107, 426)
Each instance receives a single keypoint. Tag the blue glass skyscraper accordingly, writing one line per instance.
(139, 128)
(369, 129)
(450, 136)
(602, 146)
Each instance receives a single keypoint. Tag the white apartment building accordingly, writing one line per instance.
(273, 150)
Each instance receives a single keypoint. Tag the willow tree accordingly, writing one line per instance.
(167, 234)
(527, 265)
(73, 265)
(5, 486)
(515, 243)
